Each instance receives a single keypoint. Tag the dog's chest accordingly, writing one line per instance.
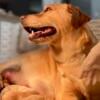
(67, 69)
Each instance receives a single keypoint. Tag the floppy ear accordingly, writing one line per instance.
(78, 17)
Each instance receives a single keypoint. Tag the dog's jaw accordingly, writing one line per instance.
(40, 34)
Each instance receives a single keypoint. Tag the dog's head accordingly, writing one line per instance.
(54, 21)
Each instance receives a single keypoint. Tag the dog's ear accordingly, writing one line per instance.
(78, 17)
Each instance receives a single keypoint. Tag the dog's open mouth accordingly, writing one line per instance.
(41, 32)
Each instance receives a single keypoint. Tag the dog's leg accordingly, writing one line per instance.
(16, 92)
(20, 93)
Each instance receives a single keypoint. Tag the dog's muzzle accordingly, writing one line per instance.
(41, 32)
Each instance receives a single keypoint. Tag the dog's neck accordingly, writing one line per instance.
(72, 46)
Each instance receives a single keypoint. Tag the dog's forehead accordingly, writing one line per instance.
(56, 6)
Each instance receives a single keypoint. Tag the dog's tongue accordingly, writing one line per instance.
(41, 33)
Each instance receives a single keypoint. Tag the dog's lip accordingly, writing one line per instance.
(35, 33)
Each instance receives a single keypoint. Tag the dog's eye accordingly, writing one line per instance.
(47, 9)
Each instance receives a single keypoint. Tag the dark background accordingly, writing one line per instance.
(20, 7)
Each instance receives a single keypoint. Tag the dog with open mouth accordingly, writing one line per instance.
(52, 72)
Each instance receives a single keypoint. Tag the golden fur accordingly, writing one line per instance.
(55, 69)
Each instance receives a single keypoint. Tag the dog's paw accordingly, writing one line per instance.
(91, 75)
(22, 93)
(15, 92)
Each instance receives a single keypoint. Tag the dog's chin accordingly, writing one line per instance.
(41, 35)
(43, 41)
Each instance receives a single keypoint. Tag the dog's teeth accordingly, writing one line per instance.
(32, 32)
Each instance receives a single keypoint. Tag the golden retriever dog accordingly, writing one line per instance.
(51, 73)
